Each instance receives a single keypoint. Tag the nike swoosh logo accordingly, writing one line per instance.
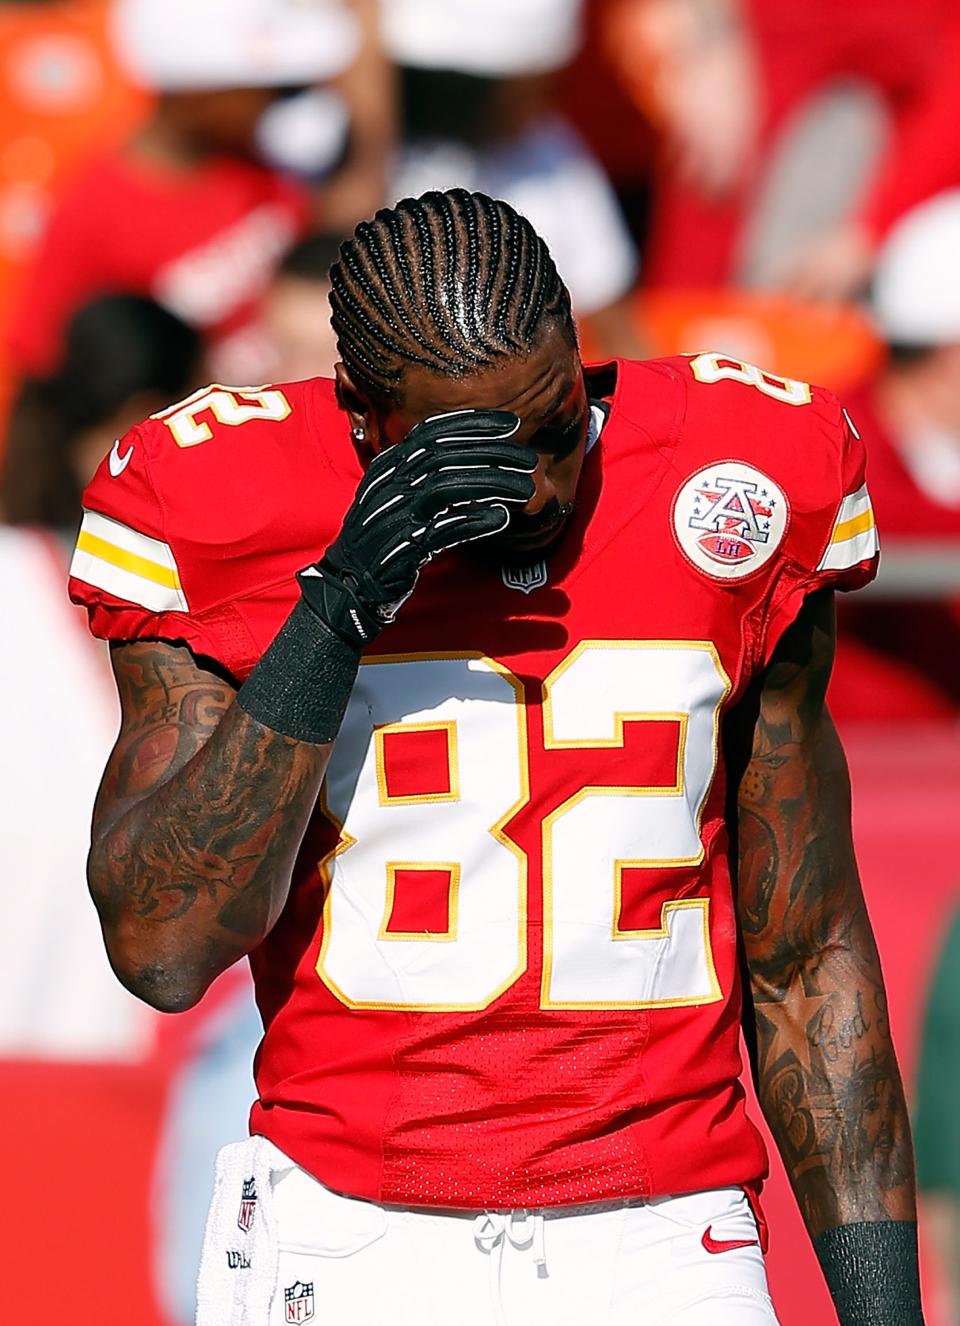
(117, 462)
(711, 1244)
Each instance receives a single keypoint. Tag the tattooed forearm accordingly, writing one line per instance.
(210, 831)
(199, 819)
(828, 1077)
(759, 863)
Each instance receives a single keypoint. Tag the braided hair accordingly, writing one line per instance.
(452, 280)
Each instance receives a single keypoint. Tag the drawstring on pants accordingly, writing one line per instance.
(493, 1230)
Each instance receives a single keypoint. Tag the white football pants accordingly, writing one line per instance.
(675, 1261)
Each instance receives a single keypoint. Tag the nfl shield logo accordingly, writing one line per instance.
(526, 578)
(248, 1205)
(298, 1301)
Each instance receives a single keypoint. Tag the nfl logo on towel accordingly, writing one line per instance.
(248, 1205)
(298, 1300)
(525, 578)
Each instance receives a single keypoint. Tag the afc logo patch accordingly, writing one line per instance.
(729, 519)
(298, 1302)
(248, 1206)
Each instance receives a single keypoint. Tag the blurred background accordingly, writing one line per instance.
(773, 179)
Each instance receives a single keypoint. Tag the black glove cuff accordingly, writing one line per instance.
(302, 684)
(872, 1272)
(336, 605)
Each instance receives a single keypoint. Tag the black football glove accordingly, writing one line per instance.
(453, 479)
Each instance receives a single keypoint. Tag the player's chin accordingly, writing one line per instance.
(528, 538)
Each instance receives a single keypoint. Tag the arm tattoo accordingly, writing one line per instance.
(199, 819)
(828, 1077)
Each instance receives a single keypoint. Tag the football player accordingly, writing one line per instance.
(478, 697)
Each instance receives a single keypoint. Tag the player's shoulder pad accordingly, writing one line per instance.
(175, 515)
(798, 446)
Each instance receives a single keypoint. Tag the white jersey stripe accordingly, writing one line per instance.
(127, 564)
(841, 556)
(854, 536)
(127, 538)
(851, 425)
(854, 504)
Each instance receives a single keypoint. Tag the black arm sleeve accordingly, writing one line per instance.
(873, 1273)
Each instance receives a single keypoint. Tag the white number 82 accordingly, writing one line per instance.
(588, 960)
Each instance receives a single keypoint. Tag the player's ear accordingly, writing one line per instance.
(364, 419)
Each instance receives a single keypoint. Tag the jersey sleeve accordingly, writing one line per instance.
(851, 553)
(833, 542)
(129, 570)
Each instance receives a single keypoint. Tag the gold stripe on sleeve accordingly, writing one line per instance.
(848, 529)
(128, 561)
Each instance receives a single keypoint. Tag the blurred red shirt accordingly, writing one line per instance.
(203, 242)
(904, 51)
(896, 658)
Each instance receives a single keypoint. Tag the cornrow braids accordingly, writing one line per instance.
(452, 281)
(508, 288)
(387, 260)
(467, 220)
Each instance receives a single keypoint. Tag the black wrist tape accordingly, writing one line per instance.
(302, 684)
(872, 1272)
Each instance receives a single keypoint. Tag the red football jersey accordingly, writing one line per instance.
(506, 975)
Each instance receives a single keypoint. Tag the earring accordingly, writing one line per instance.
(359, 434)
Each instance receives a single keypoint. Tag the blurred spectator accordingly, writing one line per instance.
(619, 133)
(691, 66)
(124, 356)
(181, 211)
(775, 118)
(937, 1119)
(913, 407)
(340, 137)
(924, 159)
(295, 313)
(478, 79)
(905, 652)
(369, 92)
(61, 90)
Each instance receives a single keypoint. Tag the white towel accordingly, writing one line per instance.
(238, 1270)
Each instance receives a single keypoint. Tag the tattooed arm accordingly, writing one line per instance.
(828, 1078)
(196, 828)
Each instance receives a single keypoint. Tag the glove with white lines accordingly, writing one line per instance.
(453, 479)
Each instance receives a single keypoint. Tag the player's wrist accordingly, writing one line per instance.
(336, 595)
(302, 685)
(872, 1271)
